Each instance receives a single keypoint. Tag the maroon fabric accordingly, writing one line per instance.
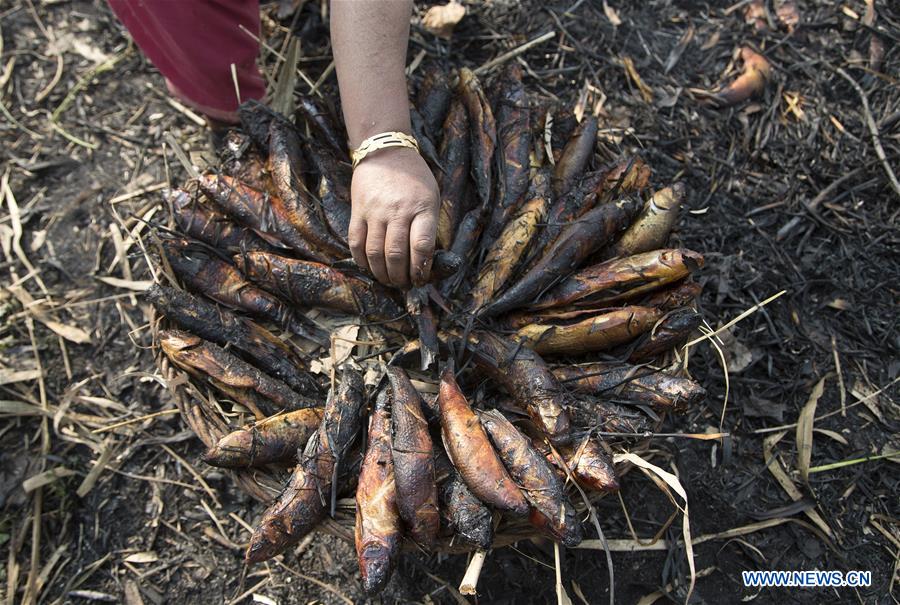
(193, 44)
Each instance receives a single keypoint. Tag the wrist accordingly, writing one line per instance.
(371, 126)
(381, 143)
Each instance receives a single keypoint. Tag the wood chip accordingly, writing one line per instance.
(440, 20)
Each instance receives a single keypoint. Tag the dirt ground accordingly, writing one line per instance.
(791, 191)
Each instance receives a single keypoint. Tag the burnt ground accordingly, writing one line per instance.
(787, 192)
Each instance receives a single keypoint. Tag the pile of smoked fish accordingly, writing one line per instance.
(499, 389)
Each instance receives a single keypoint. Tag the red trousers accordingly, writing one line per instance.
(194, 43)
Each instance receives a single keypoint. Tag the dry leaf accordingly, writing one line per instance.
(833, 434)
(142, 557)
(646, 91)
(12, 376)
(869, 399)
(71, 333)
(440, 20)
(343, 341)
(132, 593)
(805, 430)
(675, 483)
(774, 466)
(737, 355)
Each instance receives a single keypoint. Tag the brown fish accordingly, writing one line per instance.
(598, 333)
(482, 133)
(576, 243)
(317, 285)
(378, 525)
(677, 295)
(426, 144)
(624, 177)
(513, 148)
(622, 279)
(204, 272)
(575, 157)
(588, 462)
(274, 439)
(551, 510)
(265, 214)
(462, 513)
(286, 166)
(650, 230)
(255, 390)
(463, 244)
(465, 513)
(203, 222)
(632, 383)
(413, 455)
(222, 327)
(335, 207)
(607, 417)
(321, 123)
(453, 156)
(525, 375)
(512, 244)
(418, 307)
(471, 452)
(305, 500)
(433, 98)
(671, 333)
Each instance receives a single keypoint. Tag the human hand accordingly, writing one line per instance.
(393, 220)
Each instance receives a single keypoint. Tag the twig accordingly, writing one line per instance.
(820, 197)
(514, 53)
(300, 72)
(775, 429)
(851, 462)
(743, 315)
(473, 571)
(873, 129)
(182, 157)
(322, 78)
(110, 427)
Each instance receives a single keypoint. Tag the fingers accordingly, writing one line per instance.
(375, 235)
(422, 232)
(396, 253)
(356, 238)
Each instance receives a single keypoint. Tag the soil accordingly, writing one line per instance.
(786, 193)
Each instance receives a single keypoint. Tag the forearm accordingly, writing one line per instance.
(369, 38)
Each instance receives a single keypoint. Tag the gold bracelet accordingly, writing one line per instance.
(382, 141)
